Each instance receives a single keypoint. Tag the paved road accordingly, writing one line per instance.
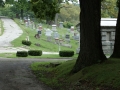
(15, 74)
(11, 32)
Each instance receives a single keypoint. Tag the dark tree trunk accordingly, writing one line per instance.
(21, 13)
(116, 51)
(90, 36)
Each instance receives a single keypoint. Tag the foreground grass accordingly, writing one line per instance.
(105, 76)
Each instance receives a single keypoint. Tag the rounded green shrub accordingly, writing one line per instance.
(66, 53)
(67, 24)
(28, 43)
(22, 54)
(35, 52)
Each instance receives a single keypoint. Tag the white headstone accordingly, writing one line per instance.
(54, 27)
(33, 25)
(40, 28)
(72, 28)
(48, 32)
(61, 24)
(56, 35)
(27, 38)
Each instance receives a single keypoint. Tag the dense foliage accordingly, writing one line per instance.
(28, 43)
(69, 13)
(22, 54)
(45, 9)
(35, 52)
(109, 9)
(66, 53)
(2, 3)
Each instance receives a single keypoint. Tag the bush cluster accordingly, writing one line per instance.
(35, 52)
(30, 52)
(66, 53)
(28, 43)
(22, 54)
(67, 24)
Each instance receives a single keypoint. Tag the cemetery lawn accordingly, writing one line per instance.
(105, 76)
(44, 45)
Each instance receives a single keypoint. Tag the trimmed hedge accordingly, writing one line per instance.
(35, 52)
(22, 54)
(28, 43)
(66, 53)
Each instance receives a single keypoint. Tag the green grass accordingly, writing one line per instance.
(45, 46)
(95, 77)
(1, 27)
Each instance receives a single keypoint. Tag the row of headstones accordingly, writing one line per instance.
(52, 35)
(31, 24)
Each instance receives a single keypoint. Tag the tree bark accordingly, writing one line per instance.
(116, 51)
(21, 13)
(90, 36)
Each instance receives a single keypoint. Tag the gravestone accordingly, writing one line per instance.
(76, 37)
(60, 24)
(67, 38)
(39, 32)
(55, 35)
(56, 40)
(27, 38)
(29, 20)
(53, 27)
(40, 28)
(33, 25)
(72, 31)
(72, 28)
(48, 34)
(61, 41)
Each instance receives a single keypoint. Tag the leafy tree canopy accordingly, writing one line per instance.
(46, 9)
(69, 13)
(2, 3)
(109, 9)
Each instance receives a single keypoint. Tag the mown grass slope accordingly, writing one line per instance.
(105, 76)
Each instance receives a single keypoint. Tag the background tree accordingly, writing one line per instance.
(22, 5)
(116, 51)
(90, 36)
(46, 9)
(11, 8)
(109, 9)
(69, 13)
(2, 3)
